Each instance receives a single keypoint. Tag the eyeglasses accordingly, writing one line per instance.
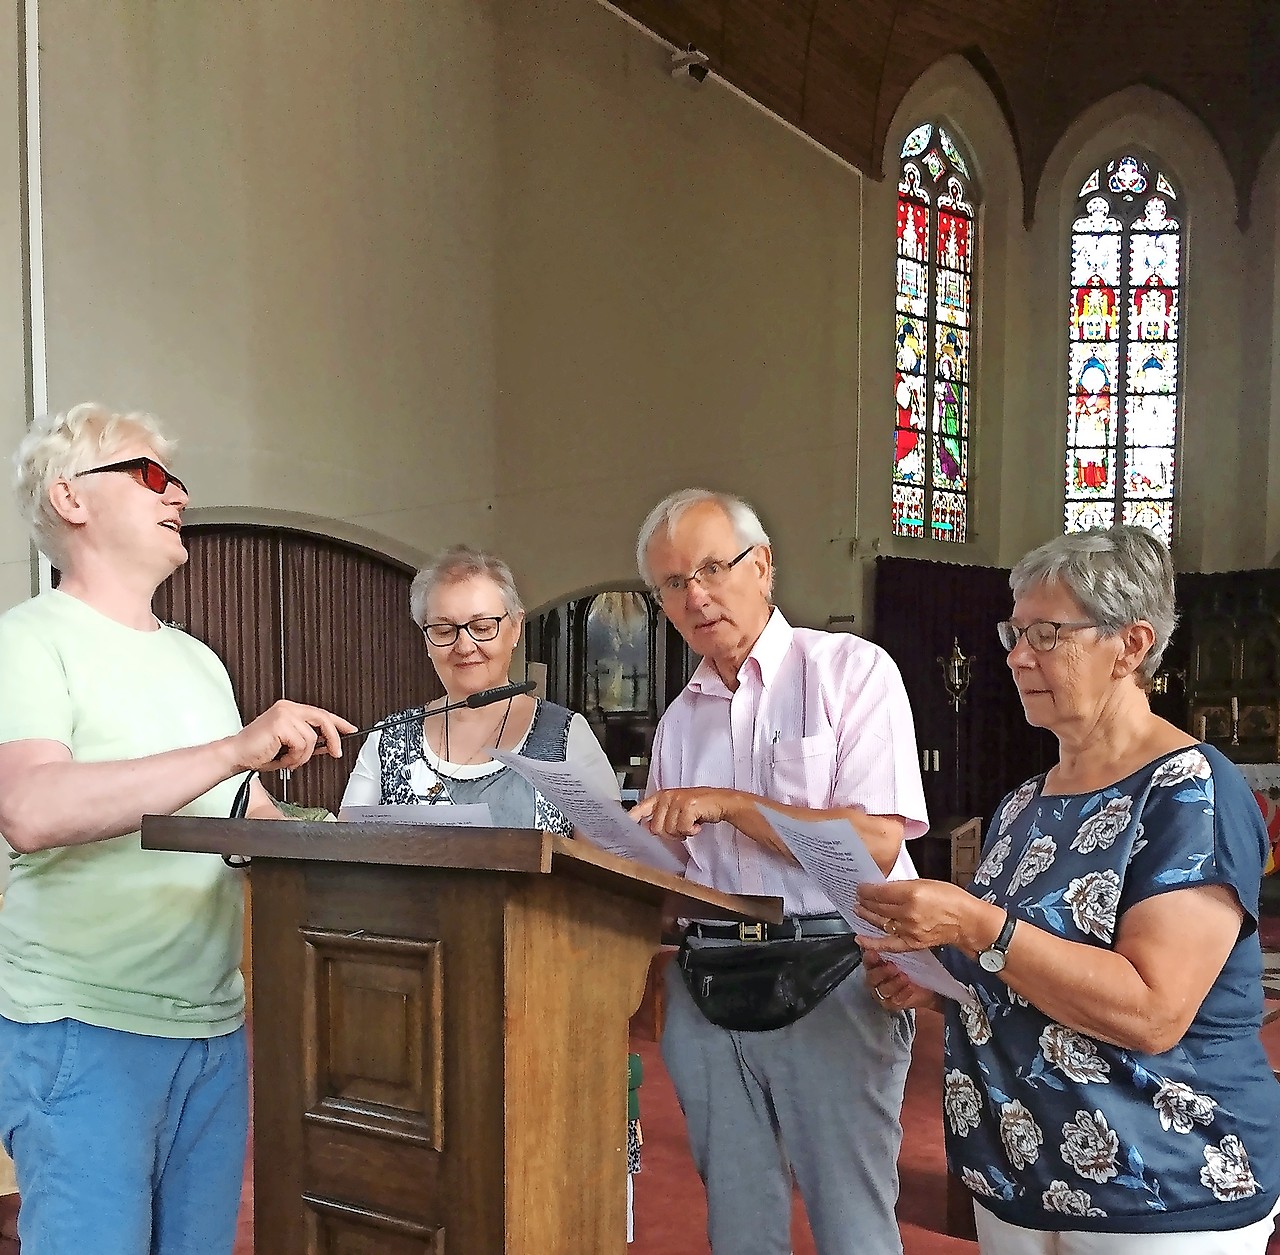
(1042, 635)
(710, 575)
(147, 471)
(482, 629)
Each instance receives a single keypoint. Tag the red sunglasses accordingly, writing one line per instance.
(147, 471)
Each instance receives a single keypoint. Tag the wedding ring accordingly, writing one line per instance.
(879, 995)
(892, 928)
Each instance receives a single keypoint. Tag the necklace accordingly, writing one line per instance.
(502, 727)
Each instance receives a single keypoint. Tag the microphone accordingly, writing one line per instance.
(486, 697)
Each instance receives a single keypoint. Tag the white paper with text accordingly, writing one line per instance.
(472, 815)
(601, 820)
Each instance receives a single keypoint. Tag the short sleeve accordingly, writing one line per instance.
(589, 761)
(35, 700)
(364, 786)
(1200, 826)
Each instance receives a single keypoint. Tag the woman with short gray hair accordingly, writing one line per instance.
(1106, 1089)
(466, 604)
(1118, 576)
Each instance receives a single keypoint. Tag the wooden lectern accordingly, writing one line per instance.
(440, 1032)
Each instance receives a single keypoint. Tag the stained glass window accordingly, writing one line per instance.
(936, 243)
(1122, 411)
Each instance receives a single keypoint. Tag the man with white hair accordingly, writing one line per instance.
(123, 1068)
(816, 725)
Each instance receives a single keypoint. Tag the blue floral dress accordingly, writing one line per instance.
(1051, 1129)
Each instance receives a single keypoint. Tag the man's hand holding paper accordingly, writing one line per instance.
(601, 820)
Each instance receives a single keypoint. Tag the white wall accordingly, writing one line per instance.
(678, 305)
(274, 224)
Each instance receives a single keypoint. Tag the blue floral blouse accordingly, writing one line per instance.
(1051, 1129)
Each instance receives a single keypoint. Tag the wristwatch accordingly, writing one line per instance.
(992, 959)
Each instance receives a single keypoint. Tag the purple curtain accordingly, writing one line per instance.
(921, 608)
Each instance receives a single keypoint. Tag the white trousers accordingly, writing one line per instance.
(998, 1237)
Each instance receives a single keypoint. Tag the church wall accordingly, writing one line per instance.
(1262, 372)
(502, 279)
(678, 306)
(274, 225)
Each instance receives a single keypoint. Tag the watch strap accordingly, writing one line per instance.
(1001, 944)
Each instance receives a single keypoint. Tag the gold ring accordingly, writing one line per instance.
(892, 928)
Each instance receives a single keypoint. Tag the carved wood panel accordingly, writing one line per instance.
(338, 1229)
(376, 1040)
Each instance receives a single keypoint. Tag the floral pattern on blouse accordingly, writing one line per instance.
(1053, 1129)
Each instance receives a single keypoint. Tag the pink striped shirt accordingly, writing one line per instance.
(819, 719)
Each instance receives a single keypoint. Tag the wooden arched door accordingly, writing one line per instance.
(307, 618)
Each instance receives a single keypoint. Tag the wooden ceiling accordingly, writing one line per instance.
(838, 69)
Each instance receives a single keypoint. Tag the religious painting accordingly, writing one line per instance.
(617, 652)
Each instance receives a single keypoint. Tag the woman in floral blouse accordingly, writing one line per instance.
(1107, 1091)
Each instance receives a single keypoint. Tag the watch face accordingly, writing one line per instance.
(991, 961)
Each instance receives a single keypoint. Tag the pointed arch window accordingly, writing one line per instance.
(937, 243)
(1124, 332)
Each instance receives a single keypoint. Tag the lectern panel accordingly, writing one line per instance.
(374, 1009)
(336, 1229)
(384, 1174)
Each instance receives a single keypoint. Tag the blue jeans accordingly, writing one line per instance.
(123, 1144)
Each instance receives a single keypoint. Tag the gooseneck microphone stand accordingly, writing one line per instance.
(486, 697)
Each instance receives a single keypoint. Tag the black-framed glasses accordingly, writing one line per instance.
(710, 575)
(1042, 635)
(147, 471)
(481, 629)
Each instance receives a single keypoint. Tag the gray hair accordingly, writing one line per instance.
(462, 562)
(667, 513)
(57, 446)
(1119, 575)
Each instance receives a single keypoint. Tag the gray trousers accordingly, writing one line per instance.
(820, 1098)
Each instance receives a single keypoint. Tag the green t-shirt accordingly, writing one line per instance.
(108, 933)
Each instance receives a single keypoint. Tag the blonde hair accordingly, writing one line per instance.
(58, 446)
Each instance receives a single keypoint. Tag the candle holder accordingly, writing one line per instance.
(957, 668)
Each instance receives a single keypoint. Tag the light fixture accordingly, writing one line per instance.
(956, 670)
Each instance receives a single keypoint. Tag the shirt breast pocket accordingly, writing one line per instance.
(803, 770)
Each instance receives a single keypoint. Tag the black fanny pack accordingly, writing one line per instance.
(756, 987)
